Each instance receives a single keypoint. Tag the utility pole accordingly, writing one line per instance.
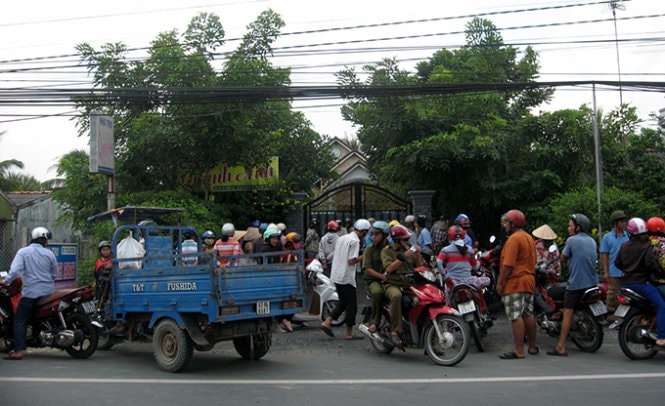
(614, 6)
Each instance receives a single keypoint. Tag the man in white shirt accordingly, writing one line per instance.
(343, 274)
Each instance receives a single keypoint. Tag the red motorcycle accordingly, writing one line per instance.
(428, 323)
(62, 320)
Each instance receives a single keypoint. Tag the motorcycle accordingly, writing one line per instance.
(470, 303)
(586, 331)
(324, 296)
(489, 266)
(428, 323)
(63, 320)
(636, 322)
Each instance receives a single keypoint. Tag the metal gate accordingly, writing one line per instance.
(356, 200)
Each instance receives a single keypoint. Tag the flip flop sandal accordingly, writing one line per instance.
(556, 353)
(510, 355)
(328, 331)
(535, 351)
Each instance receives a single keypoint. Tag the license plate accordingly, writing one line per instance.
(466, 307)
(622, 311)
(89, 307)
(598, 308)
(263, 307)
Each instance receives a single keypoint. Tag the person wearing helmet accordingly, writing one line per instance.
(103, 267)
(38, 268)
(312, 240)
(656, 227)
(545, 237)
(227, 247)
(327, 246)
(373, 270)
(409, 223)
(272, 244)
(517, 283)
(343, 274)
(580, 253)
(609, 248)
(457, 263)
(398, 258)
(639, 265)
(291, 245)
(208, 244)
(463, 221)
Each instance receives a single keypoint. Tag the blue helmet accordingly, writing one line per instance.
(208, 234)
(256, 223)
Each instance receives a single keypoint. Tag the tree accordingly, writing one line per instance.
(6, 166)
(176, 115)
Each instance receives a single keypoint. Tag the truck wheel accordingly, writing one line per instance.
(105, 341)
(261, 345)
(171, 346)
(86, 343)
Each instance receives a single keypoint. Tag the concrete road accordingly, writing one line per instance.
(307, 367)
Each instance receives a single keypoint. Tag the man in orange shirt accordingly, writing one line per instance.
(517, 283)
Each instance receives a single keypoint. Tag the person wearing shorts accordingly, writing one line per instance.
(581, 254)
(517, 283)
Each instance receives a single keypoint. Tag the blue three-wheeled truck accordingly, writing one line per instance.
(182, 304)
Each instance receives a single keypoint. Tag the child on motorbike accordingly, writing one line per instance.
(456, 262)
(103, 269)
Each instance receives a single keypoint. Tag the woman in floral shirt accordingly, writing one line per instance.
(545, 237)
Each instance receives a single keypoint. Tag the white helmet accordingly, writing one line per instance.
(40, 232)
(362, 225)
(410, 219)
(228, 229)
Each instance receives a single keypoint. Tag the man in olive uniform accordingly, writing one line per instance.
(373, 269)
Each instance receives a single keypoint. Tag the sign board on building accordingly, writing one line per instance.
(67, 256)
(225, 178)
(101, 144)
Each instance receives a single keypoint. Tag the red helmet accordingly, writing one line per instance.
(456, 233)
(656, 225)
(333, 225)
(399, 232)
(516, 217)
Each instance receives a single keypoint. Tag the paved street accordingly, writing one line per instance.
(307, 366)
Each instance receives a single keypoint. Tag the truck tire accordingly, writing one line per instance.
(261, 345)
(171, 346)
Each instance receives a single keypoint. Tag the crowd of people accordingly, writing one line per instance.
(632, 255)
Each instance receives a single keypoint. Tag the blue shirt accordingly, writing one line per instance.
(580, 250)
(425, 238)
(38, 269)
(610, 244)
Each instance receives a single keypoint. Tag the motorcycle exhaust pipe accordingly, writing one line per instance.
(374, 336)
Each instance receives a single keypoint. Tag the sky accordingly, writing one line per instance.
(575, 41)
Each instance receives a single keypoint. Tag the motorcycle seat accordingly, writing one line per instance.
(58, 294)
(557, 291)
(633, 295)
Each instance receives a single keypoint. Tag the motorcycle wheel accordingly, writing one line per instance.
(456, 340)
(88, 344)
(475, 334)
(171, 346)
(630, 340)
(253, 347)
(328, 308)
(588, 333)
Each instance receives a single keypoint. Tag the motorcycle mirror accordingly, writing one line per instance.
(492, 239)
(553, 248)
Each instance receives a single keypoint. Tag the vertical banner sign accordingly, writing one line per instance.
(67, 256)
(101, 144)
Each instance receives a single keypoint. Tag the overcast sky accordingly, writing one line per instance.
(574, 43)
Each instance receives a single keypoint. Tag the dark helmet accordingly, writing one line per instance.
(103, 244)
(581, 220)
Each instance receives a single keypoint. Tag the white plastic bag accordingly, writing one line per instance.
(130, 248)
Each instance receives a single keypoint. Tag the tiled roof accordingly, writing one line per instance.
(23, 199)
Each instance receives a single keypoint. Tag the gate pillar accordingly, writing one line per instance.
(295, 218)
(422, 203)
